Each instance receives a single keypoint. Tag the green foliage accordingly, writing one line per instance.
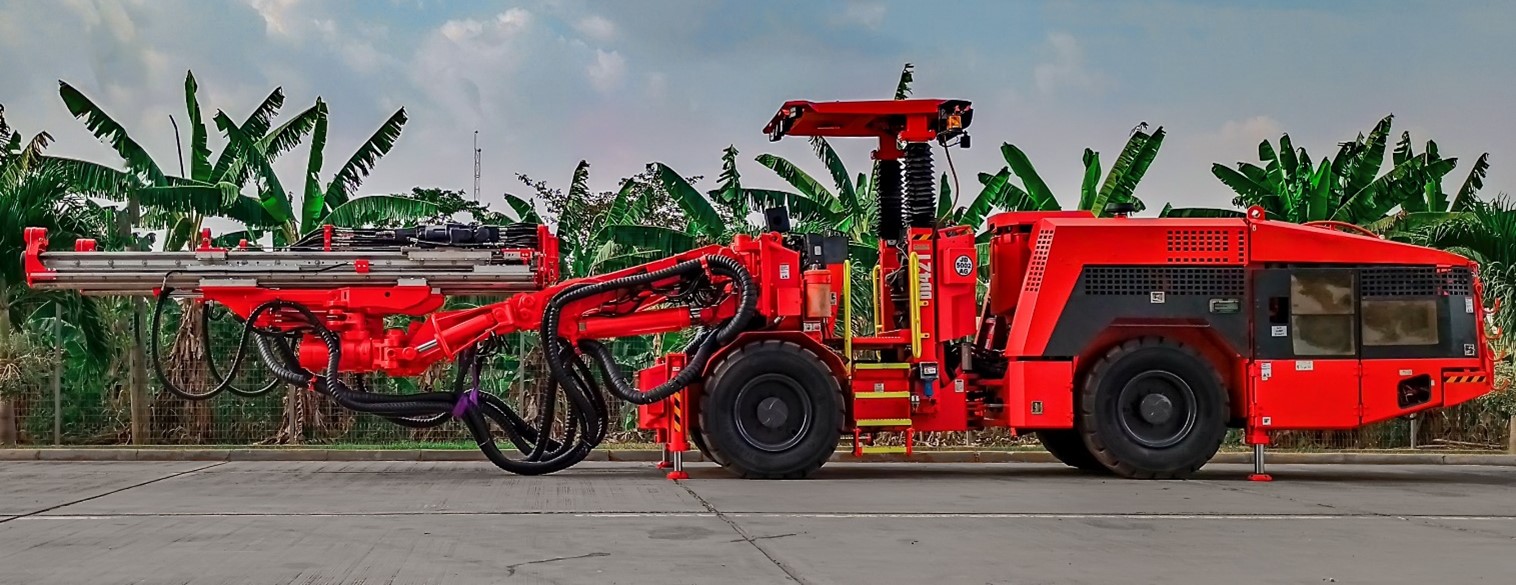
(1119, 186)
(1349, 187)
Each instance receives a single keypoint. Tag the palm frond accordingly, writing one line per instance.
(1472, 184)
(271, 194)
(313, 204)
(647, 237)
(200, 152)
(345, 184)
(376, 209)
(523, 208)
(903, 87)
(847, 195)
(111, 133)
(703, 218)
(1037, 191)
(797, 178)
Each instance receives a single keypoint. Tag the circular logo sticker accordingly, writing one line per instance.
(963, 266)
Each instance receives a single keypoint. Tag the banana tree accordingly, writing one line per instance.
(1095, 195)
(1349, 187)
(180, 203)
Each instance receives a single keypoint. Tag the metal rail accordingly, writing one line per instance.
(450, 272)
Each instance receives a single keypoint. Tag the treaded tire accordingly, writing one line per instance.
(698, 438)
(1109, 434)
(799, 374)
(1068, 446)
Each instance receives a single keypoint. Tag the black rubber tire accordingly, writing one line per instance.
(1068, 446)
(698, 438)
(1120, 449)
(797, 370)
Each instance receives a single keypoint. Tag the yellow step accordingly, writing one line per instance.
(879, 395)
(873, 449)
(881, 366)
(884, 422)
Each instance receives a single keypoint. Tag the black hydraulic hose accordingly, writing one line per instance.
(708, 344)
(154, 351)
(586, 415)
(210, 358)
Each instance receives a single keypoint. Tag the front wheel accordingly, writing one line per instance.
(771, 410)
(1152, 408)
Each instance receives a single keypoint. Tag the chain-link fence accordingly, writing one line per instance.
(75, 400)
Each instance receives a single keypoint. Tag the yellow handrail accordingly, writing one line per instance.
(878, 304)
(847, 311)
(915, 269)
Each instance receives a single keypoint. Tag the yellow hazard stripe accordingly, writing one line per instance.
(1478, 379)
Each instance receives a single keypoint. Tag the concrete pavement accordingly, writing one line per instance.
(466, 522)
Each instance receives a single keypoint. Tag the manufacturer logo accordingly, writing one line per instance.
(963, 265)
(1157, 297)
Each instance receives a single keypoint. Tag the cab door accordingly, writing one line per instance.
(1305, 372)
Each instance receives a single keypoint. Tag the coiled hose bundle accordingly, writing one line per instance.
(586, 415)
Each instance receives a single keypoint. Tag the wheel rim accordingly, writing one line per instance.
(1156, 409)
(772, 412)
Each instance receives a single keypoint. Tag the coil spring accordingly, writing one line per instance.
(920, 196)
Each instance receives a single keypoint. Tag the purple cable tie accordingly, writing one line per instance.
(469, 400)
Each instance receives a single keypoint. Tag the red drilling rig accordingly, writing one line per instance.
(1127, 345)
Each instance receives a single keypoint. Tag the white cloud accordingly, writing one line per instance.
(867, 13)
(279, 16)
(596, 27)
(1238, 139)
(1067, 69)
(466, 64)
(607, 71)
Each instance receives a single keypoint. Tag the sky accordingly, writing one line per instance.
(548, 83)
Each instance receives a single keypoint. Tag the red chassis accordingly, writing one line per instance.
(1127, 345)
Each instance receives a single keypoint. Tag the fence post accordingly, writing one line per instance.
(137, 383)
(1510, 437)
(1415, 429)
(57, 374)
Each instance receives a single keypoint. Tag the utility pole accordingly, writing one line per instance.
(477, 152)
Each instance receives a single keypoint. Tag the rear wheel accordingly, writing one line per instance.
(1152, 408)
(1068, 446)
(771, 410)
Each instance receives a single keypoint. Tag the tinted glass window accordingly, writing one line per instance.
(1321, 313)
(1400, 322)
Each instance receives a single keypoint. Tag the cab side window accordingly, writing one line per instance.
(1322, 313)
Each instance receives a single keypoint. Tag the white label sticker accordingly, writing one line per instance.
(1266, 370)
(1469, 350)
(784, 272)
(963, 266)
(1280, 331)
(1407, 372)
(1156, 297)
(1305, 366)
(1468, 305)
(958, 386)
(879, 386)
(812, 326)
(1268, 421)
